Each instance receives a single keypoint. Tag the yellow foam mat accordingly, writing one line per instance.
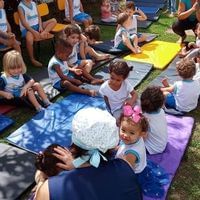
(158, 53)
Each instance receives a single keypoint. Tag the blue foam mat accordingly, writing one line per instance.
(148, 10)
(52, 125)
(139, 72)
(5, 122)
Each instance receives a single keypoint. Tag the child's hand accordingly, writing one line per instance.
(78, 71)
(65, 156)
(11, 35)
(128, 102)
(24, 91)
(8, 95)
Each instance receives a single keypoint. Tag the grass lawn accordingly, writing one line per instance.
(186, 184)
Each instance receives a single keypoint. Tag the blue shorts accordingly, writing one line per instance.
(123, 47)
(170, 101)
(35, 27)
(58, 85)
(81, 17)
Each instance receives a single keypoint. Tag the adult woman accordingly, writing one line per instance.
(188, 17)
(95, 177)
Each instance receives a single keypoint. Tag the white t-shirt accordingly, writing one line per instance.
(133, 29)
(118, 36)
(76, 7)
(186, 94)
(157, 137)
(73, 57)
(52, 73)
(138, 150)
(3, 20)
(116, 98)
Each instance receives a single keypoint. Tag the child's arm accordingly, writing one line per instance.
(40, 22)
(130, 159)
(131, 101)
(141, 16)
(64, 77)
(71, 11)
(81, 7)
(167, 89)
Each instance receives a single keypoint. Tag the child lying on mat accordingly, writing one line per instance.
(77, 59)
(62, 76)
(16, 87)
(135, 14)
(152, 101)
(117, 91)
(123, 40)
(183, 95)
(133, 127)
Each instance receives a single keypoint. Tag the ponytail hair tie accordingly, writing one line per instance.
(134, 113)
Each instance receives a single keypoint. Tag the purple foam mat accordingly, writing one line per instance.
(179, 132)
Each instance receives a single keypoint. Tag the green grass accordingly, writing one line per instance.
(186, 184)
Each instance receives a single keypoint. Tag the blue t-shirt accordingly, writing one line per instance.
(111, 180)
(188, 5)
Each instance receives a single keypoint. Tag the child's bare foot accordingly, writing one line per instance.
(138, 50)
(97, 81)
(103, 57)
(92, 93)
(36, 63)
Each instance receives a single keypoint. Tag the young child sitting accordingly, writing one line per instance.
(77, 59)
(7, 38)
(92, 34)
(46, 165)
(75, 13)
(62, 76)
(191, 48)
(32, 27)
(123, 40)
(152, 101)
(16, 87)
(183, 95)
(117, 91)
(133, 127)
(106, 14)
(135, 15)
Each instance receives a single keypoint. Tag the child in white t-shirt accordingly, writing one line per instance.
(152, 100)
(183, 95)
(117, 90)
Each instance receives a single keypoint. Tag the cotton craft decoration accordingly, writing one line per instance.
(94, 130)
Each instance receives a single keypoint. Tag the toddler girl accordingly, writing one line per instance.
(7, 38)
(117, 90)
(16, 86)
(152, 101)
(133, 127)
(183, 95)
(106, 14)
(74, 37)
(123, 40)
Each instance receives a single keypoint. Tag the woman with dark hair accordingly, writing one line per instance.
(188, 17)
(92, 174)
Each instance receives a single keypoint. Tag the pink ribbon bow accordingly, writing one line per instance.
(134, 113)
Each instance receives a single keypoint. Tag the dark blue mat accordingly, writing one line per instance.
(149, 4)
(140, 71)
(5, 122)
(16, 171)
(54, 124)
(108, 46)
(149, 10)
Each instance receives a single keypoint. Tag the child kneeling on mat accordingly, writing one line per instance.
(16, 87)
(183, 95)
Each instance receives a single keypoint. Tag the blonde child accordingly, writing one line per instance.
(77, 59)
(32, 27)
(106, 14)
(62, 76)
(16, 86)
(7, 38)
(117, 90)
(75, 13)
(183, 95)
(133, 127)
(152, 101)
(123, 40)
(135, 15)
